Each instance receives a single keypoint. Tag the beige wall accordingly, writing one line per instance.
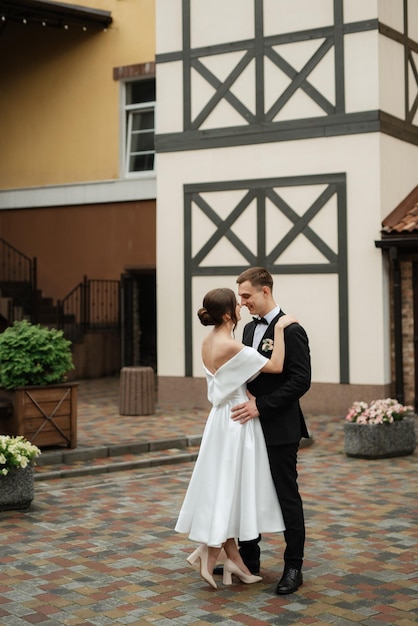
(59, 104)
(99, 241)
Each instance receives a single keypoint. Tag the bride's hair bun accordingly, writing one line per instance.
(205, 318)
(216, 304)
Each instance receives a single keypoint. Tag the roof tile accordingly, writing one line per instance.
(404, 218)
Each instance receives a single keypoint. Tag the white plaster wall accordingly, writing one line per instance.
(297, 54)
(391, 77)
(413, 19)
(169, 108)
(243, 88)
(168, 26)
(361, 63)
(399, 167)
(218, 21)
(359, 157)
(390, 12)
(359, 10)
(303, 14)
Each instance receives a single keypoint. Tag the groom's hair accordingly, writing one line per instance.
(257, 276)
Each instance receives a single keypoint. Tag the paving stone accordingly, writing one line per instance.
(99, 547)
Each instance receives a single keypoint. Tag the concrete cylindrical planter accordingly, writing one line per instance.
(16, 489)
(380, 441)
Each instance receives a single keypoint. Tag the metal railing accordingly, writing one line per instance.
(18, 282)
(93, 305)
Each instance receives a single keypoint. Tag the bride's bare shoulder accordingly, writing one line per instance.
(215, 354)
(232, 348)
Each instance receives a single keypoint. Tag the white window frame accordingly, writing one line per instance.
(127, 111)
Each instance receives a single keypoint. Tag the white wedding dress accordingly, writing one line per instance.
(231, 491)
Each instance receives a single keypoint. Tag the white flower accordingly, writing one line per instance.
(267, 345)
(16, 452)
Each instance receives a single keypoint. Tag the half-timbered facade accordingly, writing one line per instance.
(286, 132)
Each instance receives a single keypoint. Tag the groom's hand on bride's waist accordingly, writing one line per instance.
(245, 411)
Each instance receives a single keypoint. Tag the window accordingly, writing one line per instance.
(139, 115)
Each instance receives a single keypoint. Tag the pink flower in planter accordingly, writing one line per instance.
(384, 411)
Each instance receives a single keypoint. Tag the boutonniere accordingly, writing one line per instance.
(267, 345)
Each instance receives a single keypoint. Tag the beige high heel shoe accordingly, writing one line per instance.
(202, 553)
(230, 568)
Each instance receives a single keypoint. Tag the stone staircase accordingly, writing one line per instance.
(115, 458)
(12, 305)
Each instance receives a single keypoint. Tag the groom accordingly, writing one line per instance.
(274, 398)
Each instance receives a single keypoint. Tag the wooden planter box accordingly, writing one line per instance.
(45, 415)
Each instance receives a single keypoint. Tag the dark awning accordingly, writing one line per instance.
(57, 14)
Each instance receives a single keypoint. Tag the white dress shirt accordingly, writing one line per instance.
(260, 329)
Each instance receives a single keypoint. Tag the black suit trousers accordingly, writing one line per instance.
(283, 462)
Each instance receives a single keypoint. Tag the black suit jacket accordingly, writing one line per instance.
(277, 395)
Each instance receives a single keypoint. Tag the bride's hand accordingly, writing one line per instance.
(285, 320)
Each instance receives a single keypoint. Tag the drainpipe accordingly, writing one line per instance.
(397, 319)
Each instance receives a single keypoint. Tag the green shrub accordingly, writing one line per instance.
(31, 354)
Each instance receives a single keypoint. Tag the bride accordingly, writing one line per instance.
(231, 492)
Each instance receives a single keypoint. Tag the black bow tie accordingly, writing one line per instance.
(260, 320)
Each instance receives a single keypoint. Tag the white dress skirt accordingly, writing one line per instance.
(231, 491)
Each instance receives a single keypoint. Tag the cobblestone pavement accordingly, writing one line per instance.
(99, 421)
(100, 549)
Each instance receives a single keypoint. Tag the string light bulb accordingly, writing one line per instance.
(44, 22)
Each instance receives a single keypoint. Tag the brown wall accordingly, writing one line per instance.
(321, 399)
(99, 241)
(98, 355)
(408, 347)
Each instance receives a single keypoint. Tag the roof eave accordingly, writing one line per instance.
(405, 242)
(53, 13)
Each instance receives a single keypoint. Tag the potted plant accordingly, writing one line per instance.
(16, 472)
(381, 429)
(34, 361)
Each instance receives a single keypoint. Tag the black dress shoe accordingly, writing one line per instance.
(290, 581)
